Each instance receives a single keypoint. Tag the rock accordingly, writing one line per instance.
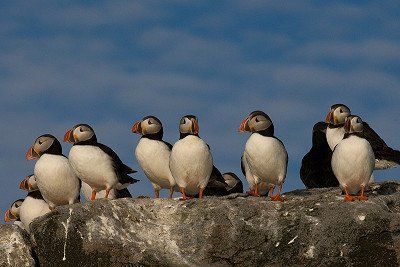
(312, 227)
(15, 247)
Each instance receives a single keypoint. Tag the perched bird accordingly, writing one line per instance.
(96, 164)
(353, 160)
(316, 170)
(153, 154)
(12, 214)
(54, 176)
(86, 191)
(29, 183)
(336, 118)
(191, 162)
(28, 209)
(265, 158)
(385, 157)
(216, 185)
(235, 185)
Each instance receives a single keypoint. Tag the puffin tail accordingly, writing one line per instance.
(388, 158)
(125, 180)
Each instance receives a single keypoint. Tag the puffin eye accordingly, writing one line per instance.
(80, 129)
(40, 142)
(358, 120)
(257, 120)
(16, 205)
(341, 111)
(183, 121)
(149, 122)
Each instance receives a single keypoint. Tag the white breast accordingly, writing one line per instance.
(353, 162)
(334, 136)
(32, 208)
(153, 157)
(191, 164)
(266, 158)
(93, 166)
(56, 180)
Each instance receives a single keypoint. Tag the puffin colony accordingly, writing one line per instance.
(345, 151)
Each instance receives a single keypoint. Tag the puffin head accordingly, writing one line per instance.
(149, 125)
(189, 125)
(319, 127)
(44, 144)
(337, 114)
(353, 124)
(28, 183)
(80, 133)
(257, 122)
(12, 214)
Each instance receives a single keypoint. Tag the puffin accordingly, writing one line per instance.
(28, 209)
(86, 191)
(29, 183)
(336, 118)
(153, 154)
(191, 162)
(12, 214)
(235, 185)
(353, 160)
(217, 185)
(316, 170)
(54, 176)
(96, 164)
(385, 156)
(265, 158)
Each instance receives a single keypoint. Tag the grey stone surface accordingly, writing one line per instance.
(312, 227)
(15, 247)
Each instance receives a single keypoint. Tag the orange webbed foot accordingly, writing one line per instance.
(363, 198)
(349, 198)
(277, 198)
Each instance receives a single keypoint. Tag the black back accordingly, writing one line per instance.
(381, 150)
(216, 185)
(316, 170)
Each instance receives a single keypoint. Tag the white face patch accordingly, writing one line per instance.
(16, 206)
(150, 126)
(82, 133)
(185, 125)
(42, 144)
(356, 125)
(340, 114)
(259, 123)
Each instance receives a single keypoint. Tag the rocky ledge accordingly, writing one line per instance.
(312, 227)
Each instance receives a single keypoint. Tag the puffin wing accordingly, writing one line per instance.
(373, 138)
(119, 166)
(242, 166)
(381, 150)
(167, 144)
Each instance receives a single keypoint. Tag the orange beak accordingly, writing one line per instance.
(24, 185)
(329, 117)
(244, 126)
(31, 154)
(137, 128)
(195, 126)
(9, 216)
(69, 137)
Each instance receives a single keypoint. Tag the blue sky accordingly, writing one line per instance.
(109, 63)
